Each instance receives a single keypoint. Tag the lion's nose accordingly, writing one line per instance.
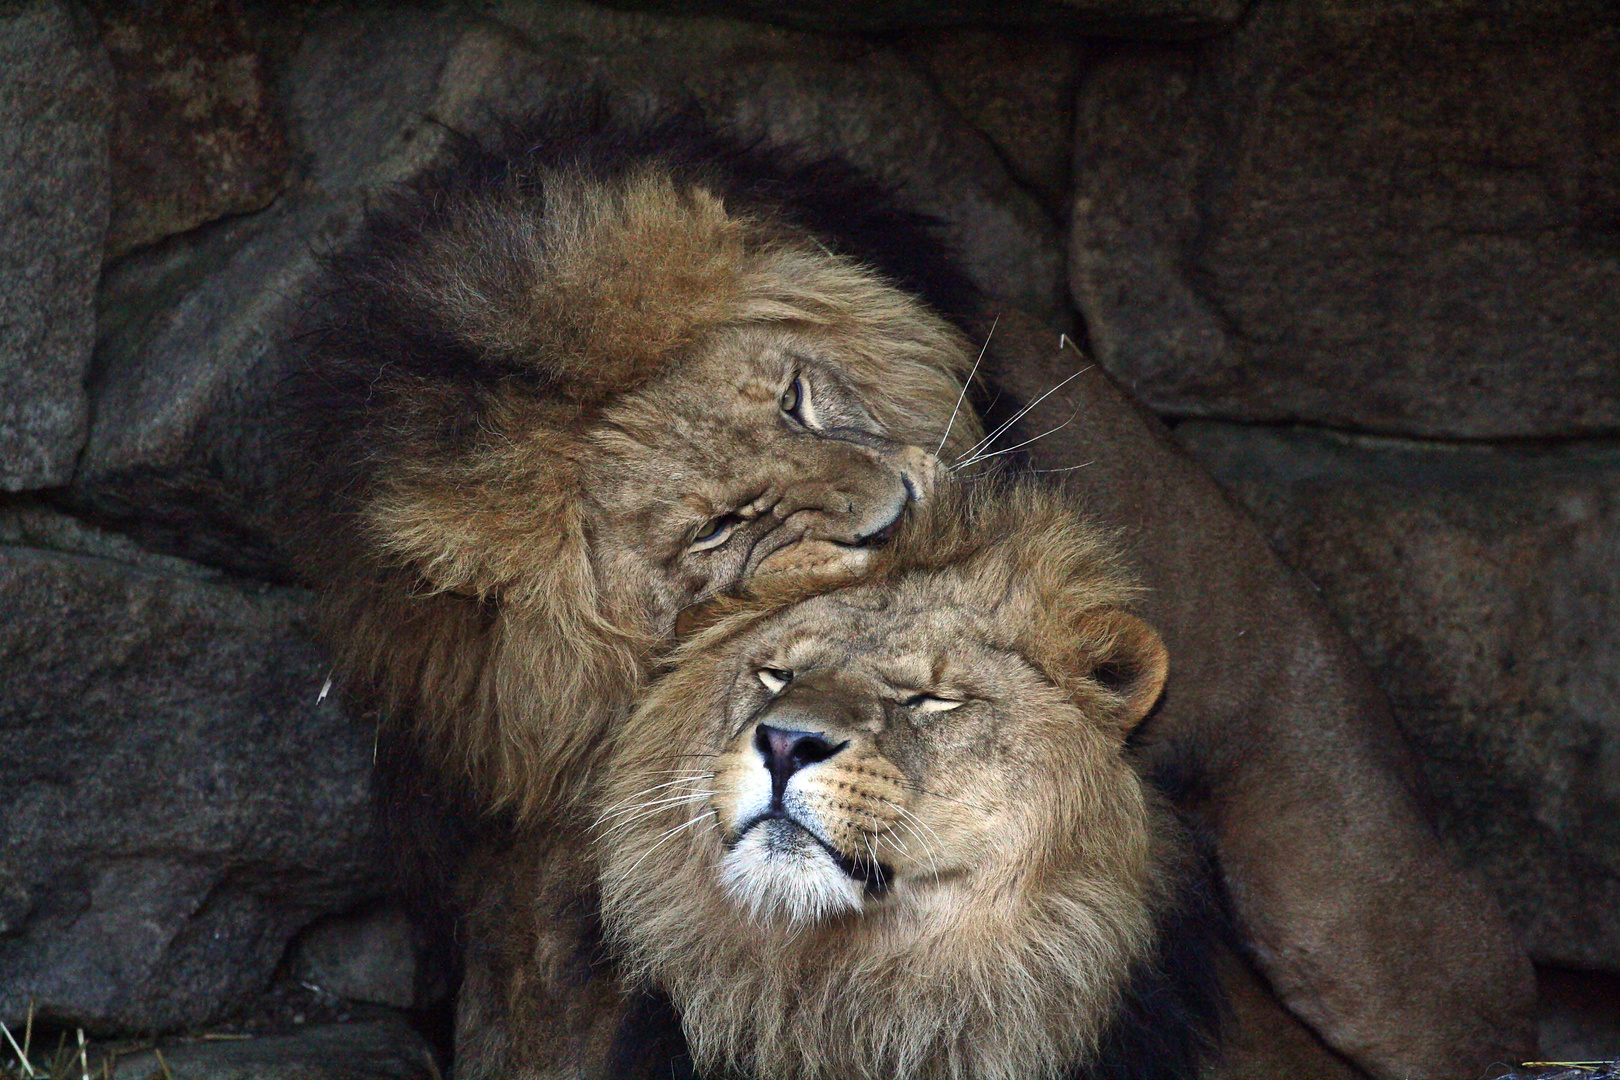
(886, 530)
(786, 752)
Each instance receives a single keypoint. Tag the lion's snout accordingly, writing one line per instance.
(805, 797)
(786, 751)
(920, 471)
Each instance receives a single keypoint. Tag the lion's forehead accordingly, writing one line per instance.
(868, 631)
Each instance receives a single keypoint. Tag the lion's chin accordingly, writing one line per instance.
(777, 872)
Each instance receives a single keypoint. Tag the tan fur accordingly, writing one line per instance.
(511, 585)
(1027, 861)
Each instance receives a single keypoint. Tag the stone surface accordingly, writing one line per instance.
(1483, 587)
(1580, 1015)
(53, 217)
(1016, 88)
(1392, 216)
(373, 1050)
(186, 324)
(174, 802)
(368, 956)
(195, 136)
(1147, 18)
(844, 96)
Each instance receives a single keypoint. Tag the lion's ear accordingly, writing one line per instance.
(1128, 659)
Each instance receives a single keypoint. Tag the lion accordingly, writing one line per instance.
(894, 827)
(556, 392)
(551, 396)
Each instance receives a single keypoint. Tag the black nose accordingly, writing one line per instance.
(786, 752)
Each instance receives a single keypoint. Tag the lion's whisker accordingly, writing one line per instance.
(928, 850)
(643, 810)
(636, 798)
(662, 840)
(965, 384)
(1069, 468)
(640, 810)
(1019, 415)
(623, 828)
(919, 789)
(997, 453)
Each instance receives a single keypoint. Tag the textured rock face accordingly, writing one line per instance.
(53, 216)
(367, 956)
(187, 325)
(1483, 587)
(1392, 216)
(174, 804)
(1016, 88)
(194, 136)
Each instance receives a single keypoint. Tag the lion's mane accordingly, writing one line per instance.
(479, 323)
(1091, 961)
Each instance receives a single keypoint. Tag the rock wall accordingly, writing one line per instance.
(1365, 256)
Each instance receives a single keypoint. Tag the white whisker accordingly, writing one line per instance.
(922, 841)
(997, 453)
(965, 384)
(647, 810)
(635, 800)
(1019, 415)
(628, 875)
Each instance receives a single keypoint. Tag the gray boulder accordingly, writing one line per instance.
(195, 135)
(175, 804)
(367, 956)
(185, 326)
(1482, 586)
(1397, 216)
(53, 219)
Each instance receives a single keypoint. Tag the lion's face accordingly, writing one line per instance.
(759, 455)
(880, 748)
(845, 838)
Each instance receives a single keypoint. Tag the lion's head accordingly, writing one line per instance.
(890, 829)
(557, 395)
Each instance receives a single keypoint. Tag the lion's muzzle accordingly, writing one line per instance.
(805, 799)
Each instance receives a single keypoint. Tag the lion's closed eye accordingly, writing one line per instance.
(928, 703)
(775, 679)
(713, 533)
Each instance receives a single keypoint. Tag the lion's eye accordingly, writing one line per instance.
(792, 401)
(774, 678)
(928, 703)
(714, 533)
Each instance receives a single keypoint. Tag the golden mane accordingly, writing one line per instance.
(1017, 971)
(462, 582)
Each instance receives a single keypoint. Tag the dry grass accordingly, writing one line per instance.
(67, 1059)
